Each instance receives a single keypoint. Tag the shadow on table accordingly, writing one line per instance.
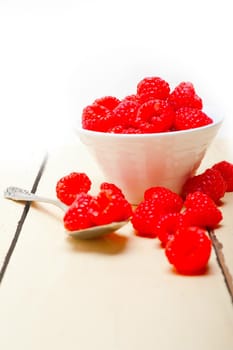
(113, 243)
(208, 271)
(110, 244)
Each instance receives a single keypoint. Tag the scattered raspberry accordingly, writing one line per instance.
(145, 218)
(226, 170)
(190, 118)
(189, 250)
(184, 95)
(167, 200)
(155, 116)
(194, 199)
(70, 185)
(167, 225)
(152, 88)
(109, 102)
(201, 211)
(98, 118)
(210, 182)
(157, 201)
(78, 215)
(126, 113)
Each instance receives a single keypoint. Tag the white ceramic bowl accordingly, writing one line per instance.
(135, 162)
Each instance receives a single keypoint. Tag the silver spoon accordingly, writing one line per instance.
(19, 194)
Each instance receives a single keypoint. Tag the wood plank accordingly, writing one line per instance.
(117, 292)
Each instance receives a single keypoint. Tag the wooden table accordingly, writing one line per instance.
(115, 293)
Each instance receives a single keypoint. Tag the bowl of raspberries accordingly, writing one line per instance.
(156, 136)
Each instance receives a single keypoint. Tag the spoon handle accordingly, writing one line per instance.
(19, 194)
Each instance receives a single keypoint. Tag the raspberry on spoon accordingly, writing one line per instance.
(70, 185)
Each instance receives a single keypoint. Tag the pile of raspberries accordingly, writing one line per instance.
(154, 108)
(180, 222)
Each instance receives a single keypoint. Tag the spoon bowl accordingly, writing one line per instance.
(19, 194)
(97, 231)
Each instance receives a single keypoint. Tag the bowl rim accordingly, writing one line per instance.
(80, 130)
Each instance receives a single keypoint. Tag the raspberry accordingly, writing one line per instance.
(194, 199)
(70, 185)
(109, 102)
(167, 200)
(78, 216)
(167, 225)
(152, 88)
(145, 218)
(155, 116)
(133, 98)
(111, 206)
(97, 118)
(190, 118)
(126, 113)
(210, 182)
(111, 188)
(201, 211)
(118, 129)
(226, 170)
(184, 95)
(122, 130)
(189, 250)
(132, 131)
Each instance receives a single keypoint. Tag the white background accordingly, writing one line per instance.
(58, 56)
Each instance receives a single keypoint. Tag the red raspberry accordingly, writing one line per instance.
(201, 211)
(109, 102)
(184, 95)
(112, 207)
(126, 113)
(70, 185)
(190, 118)
(189, 250)
(155, 116)
(97, 118)
(133, 98)
(210, 182)
(194, 199)
(78, 216)
(111, 188)
(132, 131)
(119, 129)
(167, 200)
(226, 170)
(167, 226)
(145, 218)
(152, 88)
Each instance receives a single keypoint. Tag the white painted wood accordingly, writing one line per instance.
(117, 292)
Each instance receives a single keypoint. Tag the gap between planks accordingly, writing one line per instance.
(22, 220)
(218, 248)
